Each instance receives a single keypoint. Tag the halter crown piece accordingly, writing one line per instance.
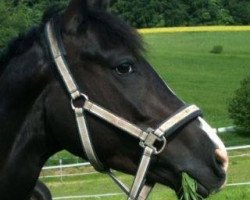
(140, 189)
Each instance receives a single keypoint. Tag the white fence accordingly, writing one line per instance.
(238, 147)
(229, 129)
(94, 196)
(61, 166)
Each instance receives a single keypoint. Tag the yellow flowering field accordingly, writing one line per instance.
(195, 29)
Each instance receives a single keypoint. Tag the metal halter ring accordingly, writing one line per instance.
(164, 143)
(73, 102)
(151, 139)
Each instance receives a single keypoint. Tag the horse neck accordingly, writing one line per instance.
(21, 83)
(23, 143)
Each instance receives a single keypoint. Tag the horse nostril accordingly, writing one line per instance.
(222, 158)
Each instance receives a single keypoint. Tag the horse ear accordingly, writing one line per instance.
(75, 14)
(99, 4)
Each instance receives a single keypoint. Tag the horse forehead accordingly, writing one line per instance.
(211, 133)
(92, 44)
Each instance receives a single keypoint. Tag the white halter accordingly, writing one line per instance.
(140, 189)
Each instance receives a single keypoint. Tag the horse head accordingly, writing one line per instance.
(106, 59)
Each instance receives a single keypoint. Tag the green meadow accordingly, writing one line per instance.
(197, 76)
(96, 183)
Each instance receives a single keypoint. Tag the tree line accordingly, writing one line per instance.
(154, 13)
(18, 15)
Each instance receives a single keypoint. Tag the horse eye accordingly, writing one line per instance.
(124, 68)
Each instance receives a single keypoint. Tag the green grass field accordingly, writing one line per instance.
(101, 184)
(197, 76)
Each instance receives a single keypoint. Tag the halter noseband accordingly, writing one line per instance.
(140, 189)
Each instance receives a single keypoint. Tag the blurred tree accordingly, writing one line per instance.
(18, 15)
(13, 19)
(175, 12)
(139, 13)
(239, 10)
(239, 107)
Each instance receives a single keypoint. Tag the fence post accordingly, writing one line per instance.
(61, 169)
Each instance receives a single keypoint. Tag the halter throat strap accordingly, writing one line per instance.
(140, 190)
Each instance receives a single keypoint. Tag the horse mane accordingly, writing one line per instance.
(109, 26)
(17, 46)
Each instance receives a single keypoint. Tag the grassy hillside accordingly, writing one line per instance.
(198, 76)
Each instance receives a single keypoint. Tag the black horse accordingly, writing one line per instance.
(106, 59)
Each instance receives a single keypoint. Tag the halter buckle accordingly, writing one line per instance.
(150, 141)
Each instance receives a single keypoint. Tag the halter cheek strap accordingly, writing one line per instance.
(140, 189)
